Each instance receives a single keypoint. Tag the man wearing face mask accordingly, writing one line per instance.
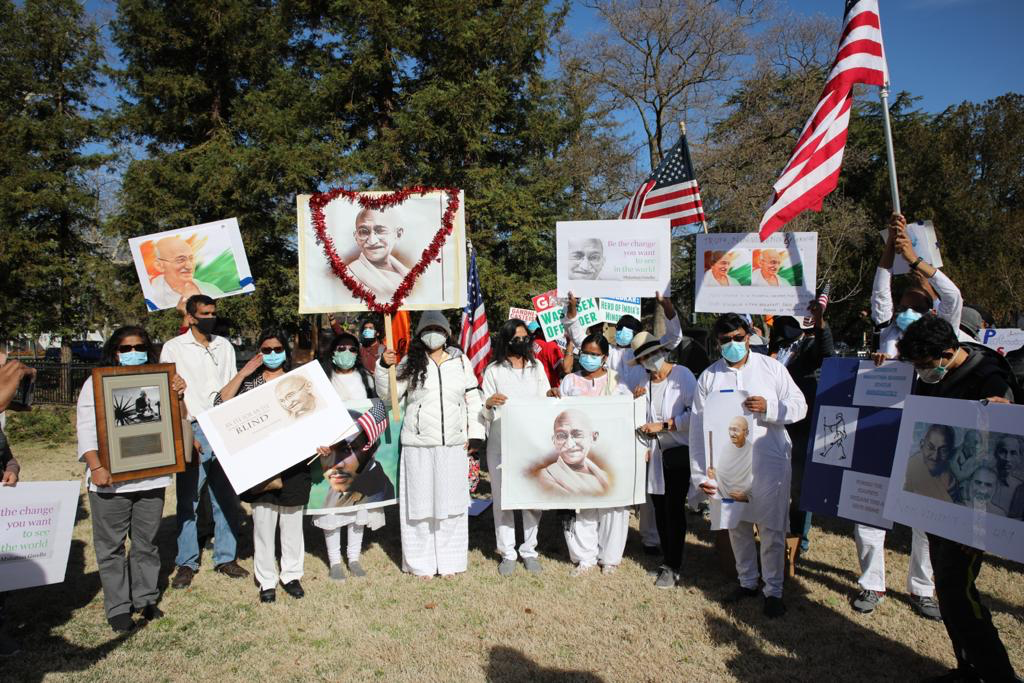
(207, 363)
(775, 401)
(947, 368)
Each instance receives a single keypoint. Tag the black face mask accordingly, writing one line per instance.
(206, 325)
(368, 342)
(519, 346)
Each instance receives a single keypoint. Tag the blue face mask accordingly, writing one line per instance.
(345, 360)
(274, 360)
(907, 318)
(623, 336)
(133, 358)
(369, 333)
(590, 362)
(734, 352)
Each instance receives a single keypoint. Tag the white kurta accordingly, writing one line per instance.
(757, 280)
(382, 283)
(710, 281)
(760, 376)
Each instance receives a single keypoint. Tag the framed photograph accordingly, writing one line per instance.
(622, 258)
(380, 252)
(138, 421)
(202, 259)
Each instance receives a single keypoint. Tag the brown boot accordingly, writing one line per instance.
(183, 577)
(231, 569)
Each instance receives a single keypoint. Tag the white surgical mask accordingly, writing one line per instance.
(433, 340)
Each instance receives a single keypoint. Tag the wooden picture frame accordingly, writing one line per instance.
(138, 421)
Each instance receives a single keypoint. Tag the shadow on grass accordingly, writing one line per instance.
(510, 665)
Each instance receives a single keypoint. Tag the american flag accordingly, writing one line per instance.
(671, 191)
(474, 338)
(823, 300)
(373, 422)
(813, 170)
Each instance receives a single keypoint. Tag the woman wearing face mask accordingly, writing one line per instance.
(670, 390)
(126, 508)
(440, 401)
(353, 383)
(278, 501)
(514, 373)
(595, 536)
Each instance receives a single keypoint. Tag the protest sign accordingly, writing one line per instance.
(614, 309)
(853, 434)
(355, 259)
(959, 474)
(728, 445)
(201, 259)
(550, 315)
(925, 243)
(618, 257)
(36, 520)
(572, 453)
(739, 272)
(588, 313)
(527, 315)
(1003, 340)
(262, 432)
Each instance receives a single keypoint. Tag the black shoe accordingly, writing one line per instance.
(294, 589)
(183, 577)
(269, 595)
(954, 676)
(122, 623)
(774, 607)
(740, 593)
(232, 570)
(151, 612)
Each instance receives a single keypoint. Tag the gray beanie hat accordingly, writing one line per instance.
(433, 319)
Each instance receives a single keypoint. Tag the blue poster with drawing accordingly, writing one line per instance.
(856, 423)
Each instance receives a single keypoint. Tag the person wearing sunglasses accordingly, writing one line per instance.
(130, 508)
(279, 501)
(775, 401)
(352, 383)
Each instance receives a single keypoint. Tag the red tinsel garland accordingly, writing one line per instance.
(319, 201)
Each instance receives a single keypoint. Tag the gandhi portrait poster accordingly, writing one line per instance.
(379, 249)
(571, 453)
(627, 258)
(959, 473)
(263, 432)
(202, 259)
(739, 272)
(728, 443)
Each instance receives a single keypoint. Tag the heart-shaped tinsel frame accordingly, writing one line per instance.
(319, 201)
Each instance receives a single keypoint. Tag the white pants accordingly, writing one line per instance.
(354, 548)
(648, 527)
(265, 519)
(505, 520)
(434, 484)
(871, 553)
(773, 557)
(598, 536)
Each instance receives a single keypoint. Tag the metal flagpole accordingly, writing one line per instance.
(893, 185)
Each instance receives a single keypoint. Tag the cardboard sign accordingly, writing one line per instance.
(550, 315)
(614, 257)
(1002, 340)
(614, 309)
(527, 315)
(36, 520)
(925, 243)
(588, 313)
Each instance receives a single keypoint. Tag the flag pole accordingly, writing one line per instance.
(682, 130)
(893, 185)
(389, 342)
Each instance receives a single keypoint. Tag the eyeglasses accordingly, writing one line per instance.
(180, 260)
(738, 336)
(363, 234)
(576, 434)
(126, 348)
(267, 350)
(345, 347)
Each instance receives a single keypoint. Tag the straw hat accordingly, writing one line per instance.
(644, 344)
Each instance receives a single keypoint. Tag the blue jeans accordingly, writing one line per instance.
(222, 499)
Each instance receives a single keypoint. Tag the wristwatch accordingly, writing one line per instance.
(914, 265)
(664, 425)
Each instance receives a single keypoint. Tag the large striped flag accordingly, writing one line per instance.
(670, 192)
(474, 338)
(813, 170)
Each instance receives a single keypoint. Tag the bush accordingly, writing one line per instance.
(50, 425)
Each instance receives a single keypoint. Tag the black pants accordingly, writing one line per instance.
(670, 516)
(975, 640)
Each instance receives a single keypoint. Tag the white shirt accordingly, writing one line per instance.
(671, 400)
(950, 308)
(349, 385)
(528, 382)
(89, 441)
(205, 369)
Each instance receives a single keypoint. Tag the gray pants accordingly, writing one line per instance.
(127, 582)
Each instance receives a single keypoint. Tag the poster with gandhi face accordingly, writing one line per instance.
(572, 453)
(201, 259)
(627, 258)
(379, 249)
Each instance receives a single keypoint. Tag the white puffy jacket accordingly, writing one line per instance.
(442, 411)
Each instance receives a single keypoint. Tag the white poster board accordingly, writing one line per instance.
(202, 259)
(737, 272)
(946, 474)
(263, 432)
(588, 313)
(728, 447)
(550, 315)
(572, 453)
(925, 243)
(1003, 339)
(883, 386)
(36, 521)
(614, 258)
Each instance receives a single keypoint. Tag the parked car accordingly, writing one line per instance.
(81, 352)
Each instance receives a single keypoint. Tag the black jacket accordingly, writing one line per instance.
(983, 374)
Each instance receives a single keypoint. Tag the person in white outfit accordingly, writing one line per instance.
(595, 536)
(440, 397)
(916, 301)
(352, 382)
(775, 401)
(514, 373)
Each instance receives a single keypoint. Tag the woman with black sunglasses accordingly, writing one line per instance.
(131, 508)
(279, 500)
